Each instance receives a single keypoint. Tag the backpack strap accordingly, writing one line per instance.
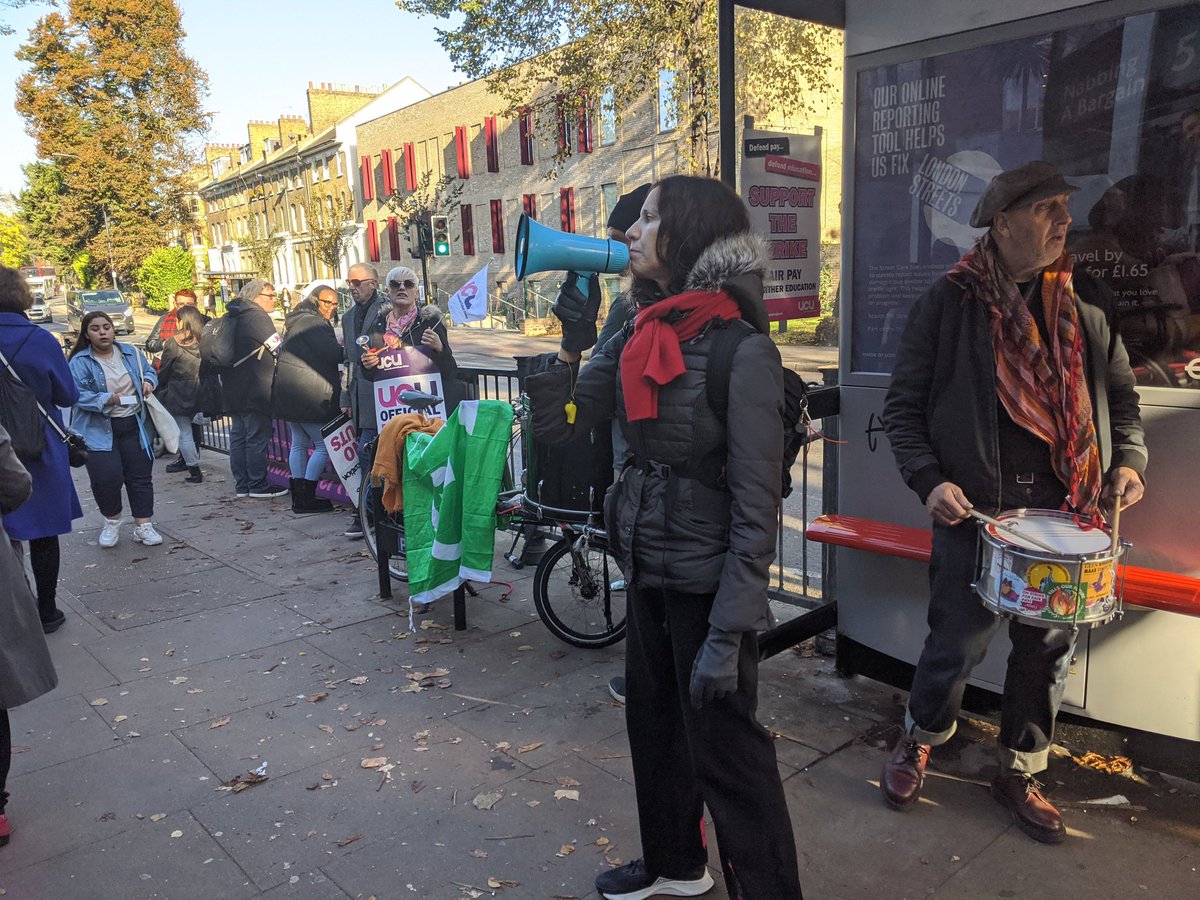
(720, 363)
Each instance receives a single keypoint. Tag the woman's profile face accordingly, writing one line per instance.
(643, 244)
(100, 333)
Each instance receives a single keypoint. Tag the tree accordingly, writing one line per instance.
(14, 248)
(429, 198)
(327, 219)
(556, 57)
(40, 205)
(165, 271)
(112, 100)
(260, 247)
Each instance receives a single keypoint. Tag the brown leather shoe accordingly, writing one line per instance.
(1021, 794)
(904, 773)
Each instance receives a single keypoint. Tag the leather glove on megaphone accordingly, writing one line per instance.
(715, 671)
(577, 312)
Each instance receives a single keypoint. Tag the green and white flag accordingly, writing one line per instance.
(451, 481)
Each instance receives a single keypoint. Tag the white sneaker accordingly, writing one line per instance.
(110, 533)
(147, 535)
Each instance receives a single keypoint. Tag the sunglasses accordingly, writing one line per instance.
(355, 282)
(406, 283)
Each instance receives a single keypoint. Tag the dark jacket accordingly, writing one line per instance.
(356, 396)
(247, 387)
(307, 379)
(672, 530)
(179, 378)
(941, 410)
(426, 360)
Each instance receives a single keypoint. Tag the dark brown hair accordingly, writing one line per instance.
(15, 296)
(191, 324)
(81, 339)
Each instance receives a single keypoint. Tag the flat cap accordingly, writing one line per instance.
(1019, 187)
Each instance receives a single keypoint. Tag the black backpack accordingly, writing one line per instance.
(795, 394)
(218, 344)
(21, 414)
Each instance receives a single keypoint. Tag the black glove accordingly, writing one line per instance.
(715, 671)
(578, 312)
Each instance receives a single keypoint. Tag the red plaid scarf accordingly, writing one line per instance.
(1043, 387)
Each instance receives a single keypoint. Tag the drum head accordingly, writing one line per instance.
(1060, 530)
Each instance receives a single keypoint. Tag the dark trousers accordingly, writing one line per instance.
(5, 757)
(684, 758)
(249, 436)
(960, 630)
(44, 560)
(127, 463)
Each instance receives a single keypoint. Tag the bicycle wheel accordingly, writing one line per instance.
(579, 592)
(398, 564)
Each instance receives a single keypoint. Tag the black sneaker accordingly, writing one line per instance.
(354, 529)
(616, 687)
(268, 492)
(51, 625)
(177, 465)
(633, 882)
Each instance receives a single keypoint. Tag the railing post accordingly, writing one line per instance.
(831, 426)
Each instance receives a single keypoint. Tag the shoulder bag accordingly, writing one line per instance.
(164, 422)
(17, 397)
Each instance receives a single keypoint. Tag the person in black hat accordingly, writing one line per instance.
(1010, 389)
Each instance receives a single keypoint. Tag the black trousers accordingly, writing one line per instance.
(719, 755)
(5, 757)
(44, 560)
(127, 463)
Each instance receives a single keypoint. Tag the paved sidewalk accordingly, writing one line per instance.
(251, 641)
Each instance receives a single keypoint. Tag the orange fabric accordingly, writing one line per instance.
(388, 466)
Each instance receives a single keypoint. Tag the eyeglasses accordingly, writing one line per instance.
(406, 283)
(355, 282)
(268, 296)
(327, 303)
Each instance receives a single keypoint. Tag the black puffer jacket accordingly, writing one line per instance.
(247, 387)
(675, 531)
(423, 359)
(179, 378)
(307, 379)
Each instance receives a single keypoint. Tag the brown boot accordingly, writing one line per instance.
(904, 773)
(1021, 795)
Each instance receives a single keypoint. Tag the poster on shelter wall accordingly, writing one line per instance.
(1114, 104)
(781, 184)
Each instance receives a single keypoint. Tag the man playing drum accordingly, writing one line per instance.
(1011, 388)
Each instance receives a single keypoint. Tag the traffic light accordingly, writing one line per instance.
(440, 226)
(418, 239)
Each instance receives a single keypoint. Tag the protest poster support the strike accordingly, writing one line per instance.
(781, 184)
(341, 441)
(395, 374)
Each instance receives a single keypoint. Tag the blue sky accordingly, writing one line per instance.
(260, 56)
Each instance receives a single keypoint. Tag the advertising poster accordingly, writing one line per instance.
(1114, 104)
(342, 443)
(400, 369)
(781, 183)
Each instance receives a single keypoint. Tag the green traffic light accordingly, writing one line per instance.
(442, 248)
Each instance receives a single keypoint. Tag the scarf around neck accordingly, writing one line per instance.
(1042, 384)
(653, 357)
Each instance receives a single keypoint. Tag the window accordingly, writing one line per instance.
(373, 240)
(529, 205)
(329, 209)
(337, 164)
(566, 123)
(325, 169)
(491, 140)
(608, 118)
(410, 167)
(393, 236)
(497, 226)
(566, 209)
(389, 173)
(368, 179)
(525, 135)
(462, 151)
(583, 127)
(468, 230)
(609, 195)
(668, 114)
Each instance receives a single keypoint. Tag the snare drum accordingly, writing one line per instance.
(1076, 587)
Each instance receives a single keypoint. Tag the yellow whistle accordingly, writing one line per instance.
(570, 410)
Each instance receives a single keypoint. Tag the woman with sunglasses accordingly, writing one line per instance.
(305, 393)
(417, 333)
(113, 380)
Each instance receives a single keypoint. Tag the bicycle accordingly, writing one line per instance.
(578, 589)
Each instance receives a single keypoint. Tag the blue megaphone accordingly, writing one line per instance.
(542, 249)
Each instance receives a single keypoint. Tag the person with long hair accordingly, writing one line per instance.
(110, 415)
(693, 521)
(37, 358)
(179, 383)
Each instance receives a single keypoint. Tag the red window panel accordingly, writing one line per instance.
(394, 236)
(410, 167)
(497, 226)
(373, 240)
(529, 205)
(462, 151)
(564, 123)
(468, 230)
(525, 135)
(389, 173)
(566, 209)
(583, 127)
(491, 140)
(368, 178)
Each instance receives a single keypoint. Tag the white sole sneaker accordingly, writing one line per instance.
(110, 533)
(667, 887)
(147, 535)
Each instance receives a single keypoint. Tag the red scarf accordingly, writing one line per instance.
(652, 357)
(1042, 384)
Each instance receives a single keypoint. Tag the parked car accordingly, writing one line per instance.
(81, 302)
(40, 311)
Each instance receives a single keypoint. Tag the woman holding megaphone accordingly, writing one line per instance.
(693, 519)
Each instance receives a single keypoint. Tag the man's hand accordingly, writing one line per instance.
(1125, 483)
(715, 671)
(947, 504)
(346, 411)
(578, 312)
(370, 359)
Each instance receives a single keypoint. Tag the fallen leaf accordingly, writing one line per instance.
(353, 726)
(179, 679)
(525, 647)
(117, 720)
(145, 669)
(168, 653)
(486, 801)
(565, 850)
(176, 834)
(219, 723)
(558, 654)
(328, 729)
(195, 690)
(99, 701)
(503, 747)
(478, 854)
(345, 842)
(158, 817)
(529, 747)
(377, 746)
(564, 794)
(361, 679)
(568, 781)
(411, 688)
(532, 803)
(272, 557)
(317, 697)
(514, 634)
(239, 783)
(602, 842)
(374, 762)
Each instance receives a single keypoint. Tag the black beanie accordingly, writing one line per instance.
(628, 208)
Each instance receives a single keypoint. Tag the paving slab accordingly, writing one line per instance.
(309, 886)
(78, 670)
(130, 565)
(54, 731)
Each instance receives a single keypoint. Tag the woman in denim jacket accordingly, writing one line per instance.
(114, 379)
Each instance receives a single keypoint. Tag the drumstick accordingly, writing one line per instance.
(1013, 533)
(1116, 519)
